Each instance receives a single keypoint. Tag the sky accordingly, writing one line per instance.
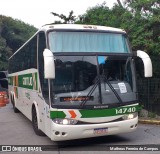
(38, 12)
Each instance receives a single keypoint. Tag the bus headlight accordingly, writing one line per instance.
(130, 116)
(65, 121)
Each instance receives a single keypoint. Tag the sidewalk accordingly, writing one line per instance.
(146, 117)
(149, 121)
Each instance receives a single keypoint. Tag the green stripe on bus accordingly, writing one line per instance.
(28, 81)
(109, 112)
(99, 112)
(36, 81)
(25, 81)
(57, 114)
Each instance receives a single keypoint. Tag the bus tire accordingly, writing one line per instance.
(35, 123)
(14, 107)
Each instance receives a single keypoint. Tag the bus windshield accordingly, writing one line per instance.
(76, 80)
(88, 42)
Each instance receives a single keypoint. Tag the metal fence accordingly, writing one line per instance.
(149, 94)
(149, 88)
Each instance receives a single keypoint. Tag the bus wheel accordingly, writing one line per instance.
(35, 123)
(14, 108)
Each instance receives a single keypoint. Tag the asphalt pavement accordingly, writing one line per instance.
(16, 129)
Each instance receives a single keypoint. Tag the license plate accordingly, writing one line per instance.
(100, 131)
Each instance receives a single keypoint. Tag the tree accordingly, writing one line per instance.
(146, 22)
(66, 20)
(98, 15)
(13, 33)
(119, 2)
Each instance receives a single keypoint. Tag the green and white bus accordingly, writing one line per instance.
(77, 81)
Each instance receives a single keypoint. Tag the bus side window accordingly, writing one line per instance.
(43, 81)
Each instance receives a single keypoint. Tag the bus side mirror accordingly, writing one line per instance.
(147, 63)
(49, 65)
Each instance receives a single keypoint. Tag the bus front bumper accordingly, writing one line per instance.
(69, 132)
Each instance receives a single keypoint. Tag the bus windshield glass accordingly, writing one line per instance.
(87, 78)
(88, 42)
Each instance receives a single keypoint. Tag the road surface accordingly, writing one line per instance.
(16, 129)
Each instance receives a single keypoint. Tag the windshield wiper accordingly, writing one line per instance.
(111, 87)
(91, 91)
(95, 86)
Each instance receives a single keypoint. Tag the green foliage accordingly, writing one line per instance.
(145, 24)
(66, 20)
(98, 15)
(13, 33)
(151, 114)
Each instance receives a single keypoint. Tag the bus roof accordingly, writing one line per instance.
(79, 27)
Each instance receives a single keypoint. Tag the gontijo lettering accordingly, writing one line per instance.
(27, 81)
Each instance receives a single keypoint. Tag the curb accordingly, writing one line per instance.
(154, 122)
